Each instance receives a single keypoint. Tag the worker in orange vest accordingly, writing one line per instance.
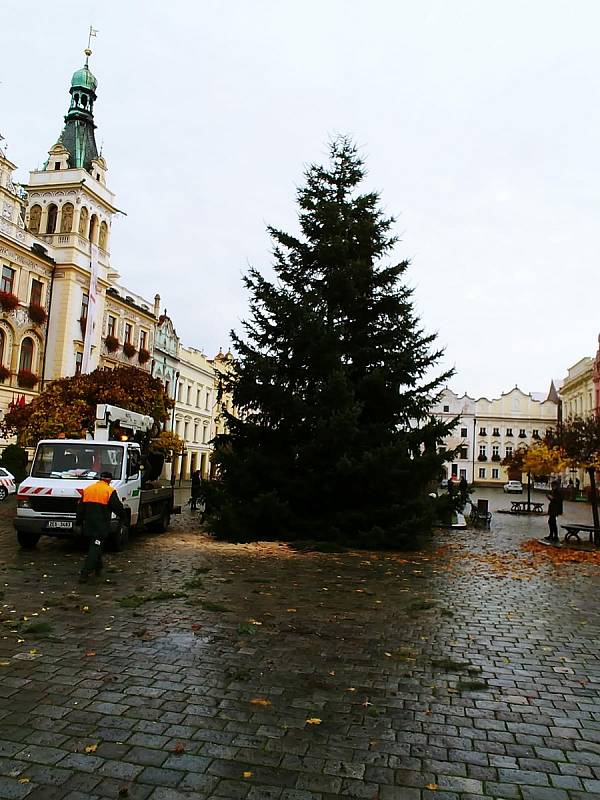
(97, 503)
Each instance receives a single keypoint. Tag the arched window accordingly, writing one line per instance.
(103, 239)
(83, 221)
(2, 341)
(52, 216)
(26, 357)
(66, 223)
(93, 227)
(35, 216)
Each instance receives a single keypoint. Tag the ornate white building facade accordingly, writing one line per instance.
(489, 430)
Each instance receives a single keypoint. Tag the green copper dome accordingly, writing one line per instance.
(83, 79)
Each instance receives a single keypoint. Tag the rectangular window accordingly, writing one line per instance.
(85, 302)
(143, 340)
(8, 280)
(482, 472)
(446, 408)
(509, 431)
(204, 434)
(78, 362)
(521, 433)
(509, 451)
(495, 450)
(186, 426)
(463, 453)
(536, 433)
(188, 396)
(35, 297)
(463, 473)
(111, 326)
(463, 433)
(455, 470)
(207, 400)
(496, 432)
(128, 332)
(482, 432)
(197, 398)
(495, 474)
(482, 450)
(195, 431)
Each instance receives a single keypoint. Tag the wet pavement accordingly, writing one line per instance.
(199, 669)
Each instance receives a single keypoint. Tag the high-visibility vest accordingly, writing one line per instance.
(99, 492)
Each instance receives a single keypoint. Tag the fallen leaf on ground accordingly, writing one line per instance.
(313, 721)
(432, 787)
(260, 701)
(179, 748)
(247, 774)
(90, 653)
(91, 748)
(23, 780)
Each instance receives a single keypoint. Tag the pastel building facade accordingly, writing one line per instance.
(490, 430)
(27, 273)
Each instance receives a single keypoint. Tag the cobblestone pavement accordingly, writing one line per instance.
(208, 670)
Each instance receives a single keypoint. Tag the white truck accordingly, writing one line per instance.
(61, 469)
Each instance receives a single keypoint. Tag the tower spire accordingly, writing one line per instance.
(78, 138)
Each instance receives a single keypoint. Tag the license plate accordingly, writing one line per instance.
(60, 524)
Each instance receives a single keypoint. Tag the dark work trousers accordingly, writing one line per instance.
(553, 527)
(93, 560)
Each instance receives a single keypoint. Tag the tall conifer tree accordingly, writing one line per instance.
(332, 384)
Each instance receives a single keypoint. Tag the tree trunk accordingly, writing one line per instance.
(594, 499)
(529, 491)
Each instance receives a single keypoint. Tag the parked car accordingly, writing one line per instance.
(515, 487)
(7, 483)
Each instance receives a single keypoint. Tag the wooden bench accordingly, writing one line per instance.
(523, 507)
(573, 530)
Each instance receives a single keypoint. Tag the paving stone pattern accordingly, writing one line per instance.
(456, 672)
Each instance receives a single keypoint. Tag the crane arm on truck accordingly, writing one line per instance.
(107, 415)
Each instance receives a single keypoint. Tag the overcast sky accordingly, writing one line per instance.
(480, 123)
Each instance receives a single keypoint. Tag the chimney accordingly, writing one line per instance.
(157, 305)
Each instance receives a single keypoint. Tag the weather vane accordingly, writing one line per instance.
(88, 50)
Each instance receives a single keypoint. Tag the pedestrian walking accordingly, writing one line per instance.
(97, 503)
(463, 488)
(195, 490)
(555, 509)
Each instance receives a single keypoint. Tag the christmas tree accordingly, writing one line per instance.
(332, 437)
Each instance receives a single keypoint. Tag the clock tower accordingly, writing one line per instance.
(71, 208)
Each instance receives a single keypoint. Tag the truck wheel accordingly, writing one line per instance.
(3, 492)
(162, 525)
(120, 539)
(28, 541)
